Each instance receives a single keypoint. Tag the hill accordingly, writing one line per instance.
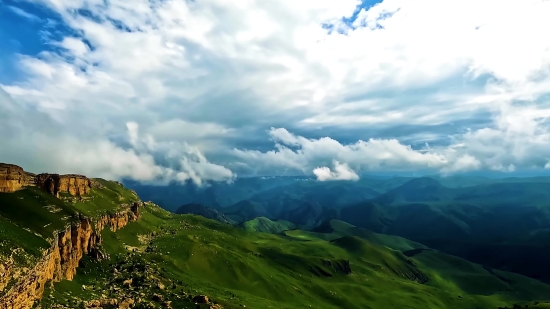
(102, 247)
(264, 225)
(237, 268)
(473, 222)
(469, 219)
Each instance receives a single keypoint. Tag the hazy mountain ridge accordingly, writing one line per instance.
(152, 258)
(205, 211)
(505, 213)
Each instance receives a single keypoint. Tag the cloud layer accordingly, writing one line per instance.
(185, 90)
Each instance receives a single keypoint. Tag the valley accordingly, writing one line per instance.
(96, 244)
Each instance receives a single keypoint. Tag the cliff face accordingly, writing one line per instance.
(61, 260)
(13, 178)
(75, 185)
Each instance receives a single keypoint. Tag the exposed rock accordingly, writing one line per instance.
(201, 299)
(61, 260)
(75, 185)
(158, 297)
(110, 303)
(126, 303)
(13, 178)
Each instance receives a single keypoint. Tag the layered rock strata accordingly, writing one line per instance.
(61, 260)
(14, 178)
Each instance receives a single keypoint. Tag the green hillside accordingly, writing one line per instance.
(264, 225)
(169, 260)
(189, 255)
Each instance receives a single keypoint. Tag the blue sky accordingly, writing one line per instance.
(203, 90)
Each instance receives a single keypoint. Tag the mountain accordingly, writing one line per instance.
(416, 190)
(75, 242)
(205, 211)
(470, 222)
(260, 189)
(216, 194)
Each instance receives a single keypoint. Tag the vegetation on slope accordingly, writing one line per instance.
(184, 256)
(264, 225)
(30, 219)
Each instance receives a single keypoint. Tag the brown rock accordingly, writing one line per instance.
(158, 297)
(126, 304)
(61, 260)
(201, 299)
(75, 185)
(13, 178)
(127, 282)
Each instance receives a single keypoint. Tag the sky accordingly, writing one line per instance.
(210, 90)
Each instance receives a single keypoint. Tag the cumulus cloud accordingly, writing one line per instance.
(521, 140)
(40, 144)
(341, 172)
(205, 79)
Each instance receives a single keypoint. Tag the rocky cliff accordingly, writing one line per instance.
(13, 178)
(61, 260)
(75, 185)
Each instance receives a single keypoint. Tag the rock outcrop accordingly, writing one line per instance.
(14, 178)
(61, 260)
(75, 185)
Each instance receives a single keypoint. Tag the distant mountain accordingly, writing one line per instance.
(328, 194)
(423, 189)
(509, 218)
(216, 194)
(293, 210)
(463, 215)
(98, 239)
(205, 211)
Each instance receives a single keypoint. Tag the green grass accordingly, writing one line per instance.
(28, 209)
(29, 218)
(12, 236)
(236, 267)
(264, 225)
(106, 200)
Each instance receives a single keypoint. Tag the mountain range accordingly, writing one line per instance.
(69, 241)
(468, 217)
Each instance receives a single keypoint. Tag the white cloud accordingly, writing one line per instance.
(46, 147)
(341, 172)
(23, 13)
(521, 140)
(198, 75)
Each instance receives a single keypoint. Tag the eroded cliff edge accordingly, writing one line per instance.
(21, 288)
(13, 178)
(61, 260)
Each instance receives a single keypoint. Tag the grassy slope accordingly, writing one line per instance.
(236, 267)
(29, 218)
(263, 224)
